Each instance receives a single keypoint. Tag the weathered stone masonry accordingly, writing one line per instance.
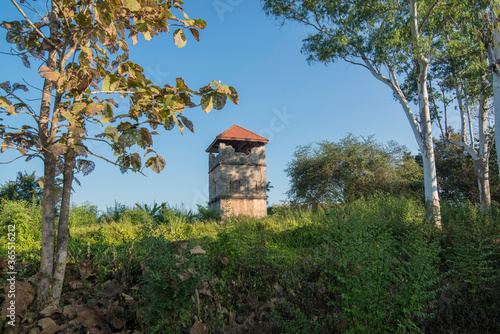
(237, 173)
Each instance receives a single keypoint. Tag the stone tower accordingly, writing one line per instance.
(237, 173)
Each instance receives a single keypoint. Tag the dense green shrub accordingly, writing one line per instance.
(27, 217)
(113, 213)
(26, 187)
(382, 283)
(372, 265)
(171, 273)
(207, 213)
(136, 216)
(84, 214)
(470, 246)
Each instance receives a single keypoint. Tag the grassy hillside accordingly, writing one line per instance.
(372, 266)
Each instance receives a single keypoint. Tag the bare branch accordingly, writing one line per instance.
(33, 9)
(8, 162)
(34, 87)
(97, 139)
(471, 150)
(113, 92)
(107, 160)
(33, 26)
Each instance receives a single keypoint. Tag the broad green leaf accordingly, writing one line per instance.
(105, 83)
(207, 103)
(180, 83)
(219, 101)
(114, 85)
(200, 24)
(180, 38)
(78, 106)
(105, 119)
(132, 5)
(82, 20)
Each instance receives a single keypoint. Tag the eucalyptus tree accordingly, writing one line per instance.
(459, 80)
(81, 49)
(482, 18)
(490, 38)
(393, 39)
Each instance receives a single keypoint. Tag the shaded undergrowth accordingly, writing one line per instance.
(371, 266)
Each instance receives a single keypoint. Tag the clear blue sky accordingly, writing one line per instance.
(281, 98)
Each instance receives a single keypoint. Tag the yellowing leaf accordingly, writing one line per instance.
(207, 103)
(132, 4)
(105, 83)
(4, 101)
(11, 110)
(48, 73)
(180, 38)
(114, 85)
(105, 120)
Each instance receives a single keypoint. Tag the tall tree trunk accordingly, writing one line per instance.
(493, 54)
(482, 164)
(49, 183)
(433, 208)
(496, 98)
(483, 180)
(63, 229)
(48, 230)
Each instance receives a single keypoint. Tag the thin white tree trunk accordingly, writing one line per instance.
(433, 208)
(493, 54)
(463, 119)
(496, 99)
(482, 164)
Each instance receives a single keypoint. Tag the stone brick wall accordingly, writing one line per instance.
(237, 181)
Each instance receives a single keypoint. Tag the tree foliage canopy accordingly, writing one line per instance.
(83, 47)
(339, 172)
(25, 187)
(81, 51)
(456, 175)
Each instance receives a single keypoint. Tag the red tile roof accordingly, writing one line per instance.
(237, 133)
